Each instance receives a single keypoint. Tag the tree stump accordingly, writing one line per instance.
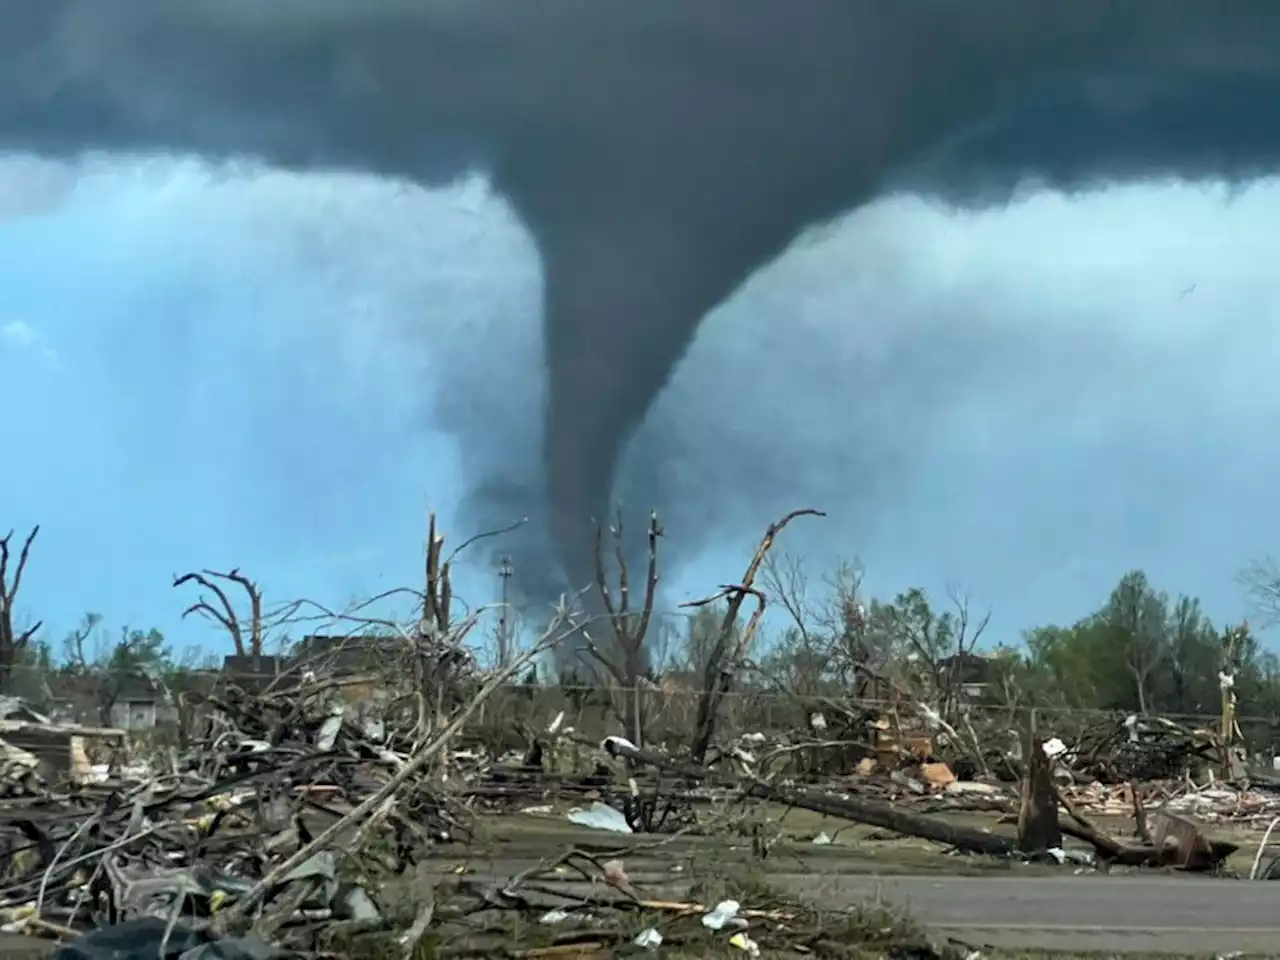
(1038, 828)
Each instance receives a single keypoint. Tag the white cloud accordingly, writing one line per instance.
(20, 335)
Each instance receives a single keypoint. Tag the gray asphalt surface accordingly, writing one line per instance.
(1161, 914)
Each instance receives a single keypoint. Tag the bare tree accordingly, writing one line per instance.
(73, 645)
(784, 578)
(13, 642)
(1261, 582)
(805, 652)
(225, 612)
(949, 669)
(855, 652)
(625, 661)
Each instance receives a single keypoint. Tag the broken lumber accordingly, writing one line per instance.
(1190, 850)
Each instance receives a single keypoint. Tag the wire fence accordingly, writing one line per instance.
(670, 715)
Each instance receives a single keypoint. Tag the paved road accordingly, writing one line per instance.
(1161, 914)
(1172, 914)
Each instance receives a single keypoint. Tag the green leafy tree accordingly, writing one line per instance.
(1139, 652)
(1190, 674)
(1135, 622)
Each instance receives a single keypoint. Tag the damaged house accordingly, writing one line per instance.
(360, 662)
(31, 741)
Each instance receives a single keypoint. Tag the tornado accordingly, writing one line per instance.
(660, 152)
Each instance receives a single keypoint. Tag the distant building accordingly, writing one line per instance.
(141, 703)
(973, 672)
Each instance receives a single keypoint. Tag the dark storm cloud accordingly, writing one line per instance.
(659, 151)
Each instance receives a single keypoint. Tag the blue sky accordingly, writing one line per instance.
(208, 367)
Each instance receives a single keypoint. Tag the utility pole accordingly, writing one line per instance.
(505, 572)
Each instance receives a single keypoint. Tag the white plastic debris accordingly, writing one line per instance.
(1053, 747)
(746, 756)
(329, 730)
(552, 917)
(1226, 680)
(354, 903)
(650, 939)
(822, 840)
(611, 745)
(600, 816)
(755, 739)
(932, 718)
(972, 786)
(818, 722)
(1131, 722)
(555, 724)
(743, 942)
(725, 911)
(1058, 854)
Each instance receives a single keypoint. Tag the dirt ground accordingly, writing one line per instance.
(523, 839)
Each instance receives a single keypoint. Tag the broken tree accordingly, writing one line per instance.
(13, 642)
(624, 660)
(225, 613)
(732, 645)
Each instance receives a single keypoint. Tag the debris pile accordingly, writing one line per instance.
(317, 827)
(1128, 748)
(295, 821)
(232, 827)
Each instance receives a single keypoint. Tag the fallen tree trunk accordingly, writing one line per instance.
(1198, 855)
(874, 813)
(877, 813)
